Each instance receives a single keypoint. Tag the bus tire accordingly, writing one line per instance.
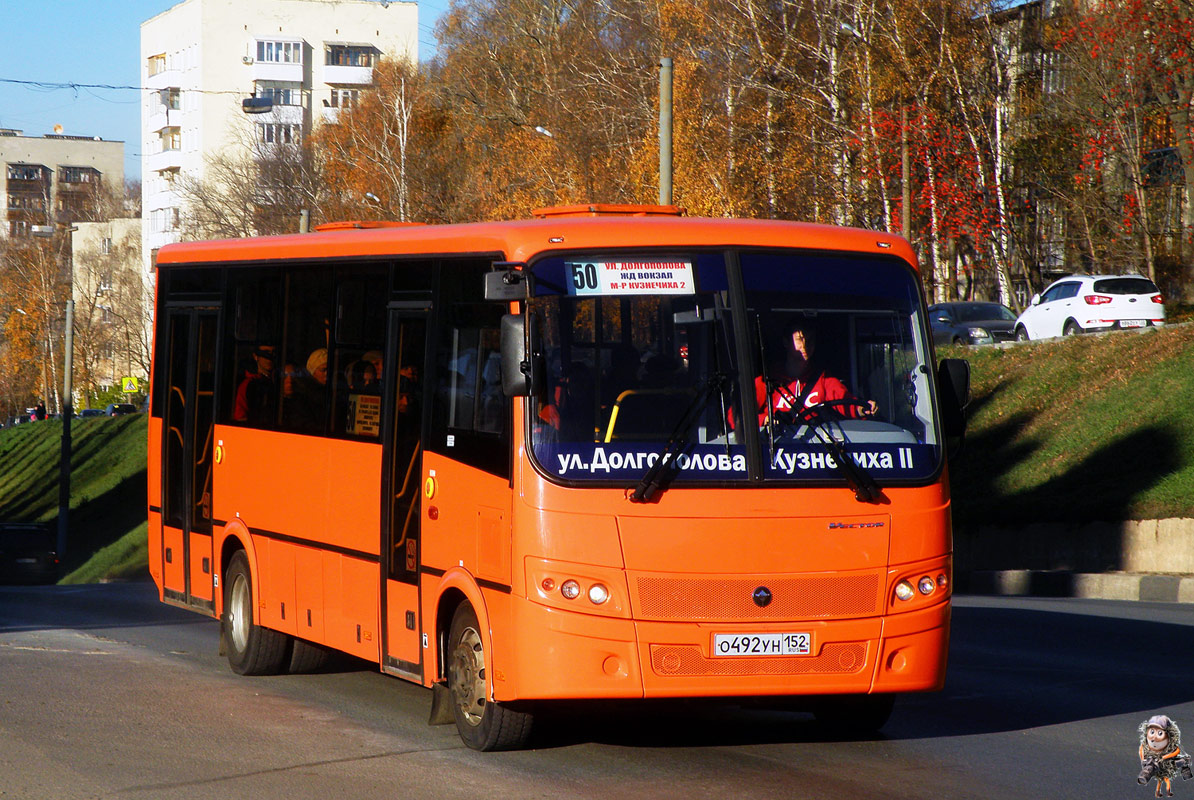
(252, 649)
(483, 725)
(308, 657)
(854, 716)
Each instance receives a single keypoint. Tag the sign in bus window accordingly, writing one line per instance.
(629, 277)
(364, 415)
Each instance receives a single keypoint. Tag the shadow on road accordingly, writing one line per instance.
(87, 607)
(1011, 669)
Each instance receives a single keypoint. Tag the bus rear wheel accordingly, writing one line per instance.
(252, 649)
(483, 725)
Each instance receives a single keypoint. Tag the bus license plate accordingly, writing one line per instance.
(1131, 323)
(762, 644)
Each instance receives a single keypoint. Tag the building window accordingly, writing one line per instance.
(78, 175)
(280, 133)
(172, 98)
(106, 249)
(26, 172)
(280, 52)
(171, 139)
(164, 220)
(344, 98)
(18, 227)
(157, 64)
(280, 93)
(351, 55)
(26, 202)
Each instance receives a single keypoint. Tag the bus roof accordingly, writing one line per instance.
(521, 240)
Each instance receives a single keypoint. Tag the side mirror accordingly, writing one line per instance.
(505, 284)
(521, 368)
(953, 392)
(1036, 300)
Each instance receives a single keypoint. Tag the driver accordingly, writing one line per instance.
(810, 385)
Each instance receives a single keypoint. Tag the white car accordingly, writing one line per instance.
(1082, 303)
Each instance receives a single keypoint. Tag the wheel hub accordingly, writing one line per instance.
(467, 676)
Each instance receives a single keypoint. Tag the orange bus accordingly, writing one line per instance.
(508, 460)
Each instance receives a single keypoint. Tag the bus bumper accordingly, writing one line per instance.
(569, 655)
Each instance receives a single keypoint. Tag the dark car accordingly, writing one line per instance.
(118, 409)
(971, 323)
(28, 553)
(90, 412)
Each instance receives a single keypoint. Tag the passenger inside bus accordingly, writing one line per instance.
(304, 407)
(256, 394)
(374, 357)
(362, 379)
(569, 410)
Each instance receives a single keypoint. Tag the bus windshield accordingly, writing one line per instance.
(821, 357)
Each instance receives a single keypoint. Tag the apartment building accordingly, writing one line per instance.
(112, 305)
(55, 178)
(201, 58)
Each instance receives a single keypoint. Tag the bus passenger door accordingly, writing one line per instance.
(187, 458)
(405, 408)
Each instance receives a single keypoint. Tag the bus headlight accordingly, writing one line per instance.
(598, 594)
(904, 590)
(926, 585)
(570, 589)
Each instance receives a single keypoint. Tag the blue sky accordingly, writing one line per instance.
(94, 42)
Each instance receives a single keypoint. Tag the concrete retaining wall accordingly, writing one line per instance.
(1163, 547)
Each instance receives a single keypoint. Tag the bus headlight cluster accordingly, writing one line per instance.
(926, 585)
(570, 589)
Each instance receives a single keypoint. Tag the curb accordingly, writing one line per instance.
(1088, 585)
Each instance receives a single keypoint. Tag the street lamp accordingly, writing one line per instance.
(67, 406)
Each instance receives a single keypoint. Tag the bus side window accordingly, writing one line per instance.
(470, 412)
(250, 393)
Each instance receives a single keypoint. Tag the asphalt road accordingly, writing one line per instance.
(104, 693)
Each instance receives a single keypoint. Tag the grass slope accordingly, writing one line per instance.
(1087, 428)
(108, 495)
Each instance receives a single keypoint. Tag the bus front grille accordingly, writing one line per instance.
(681, 660)
(733, 599)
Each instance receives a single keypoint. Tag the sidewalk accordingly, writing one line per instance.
(1090, 585)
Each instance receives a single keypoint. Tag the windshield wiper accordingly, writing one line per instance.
(660, 474)
(865, 488)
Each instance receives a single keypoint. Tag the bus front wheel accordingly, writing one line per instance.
(252, 649)
(483, 724)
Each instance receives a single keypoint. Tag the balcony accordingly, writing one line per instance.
(347, 76)
(276, 71)
(290, 115)
(165, 79)
(165, 160)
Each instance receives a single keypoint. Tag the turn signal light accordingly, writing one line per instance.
(1096, 299)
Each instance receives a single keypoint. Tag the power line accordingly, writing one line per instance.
(53, 86)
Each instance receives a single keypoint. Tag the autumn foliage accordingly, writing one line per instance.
(1026, 135)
